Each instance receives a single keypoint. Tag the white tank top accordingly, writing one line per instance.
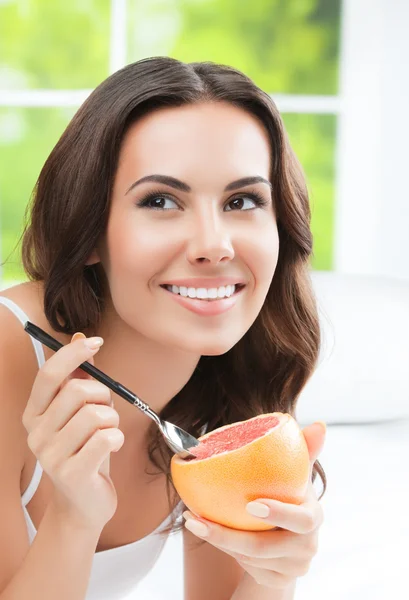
(115, 573)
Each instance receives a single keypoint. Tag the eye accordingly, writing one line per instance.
(156, 201)
(254, 197)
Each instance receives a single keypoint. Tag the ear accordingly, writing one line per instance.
(93, 258)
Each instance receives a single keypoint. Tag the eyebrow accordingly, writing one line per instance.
(184, 187)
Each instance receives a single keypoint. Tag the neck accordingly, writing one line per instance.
(151, 370)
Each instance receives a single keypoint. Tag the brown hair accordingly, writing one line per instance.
(269, 366)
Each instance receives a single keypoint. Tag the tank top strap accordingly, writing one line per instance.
(33, 485)
(22, 317)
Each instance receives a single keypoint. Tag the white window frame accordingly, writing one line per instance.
(372, 198)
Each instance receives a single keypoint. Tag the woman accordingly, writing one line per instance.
(171, 220)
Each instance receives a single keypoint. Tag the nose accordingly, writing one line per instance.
(209, 242)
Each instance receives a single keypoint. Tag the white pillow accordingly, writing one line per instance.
(363, 368)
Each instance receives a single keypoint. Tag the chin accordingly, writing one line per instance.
(214, 348)
(208, 343)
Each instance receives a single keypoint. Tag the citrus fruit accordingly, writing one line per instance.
(263, 457)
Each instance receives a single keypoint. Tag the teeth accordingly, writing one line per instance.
(224, 291)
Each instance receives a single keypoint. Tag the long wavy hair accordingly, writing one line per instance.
(269, 366)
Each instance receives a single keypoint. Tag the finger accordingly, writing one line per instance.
(288, 565)
(104, 468)
(82, 427)
(54, 371)
(261, 544)
(76, 394)
(314, 436)
(274, 580)
(97, 449)
(297, 518)
(79, 373)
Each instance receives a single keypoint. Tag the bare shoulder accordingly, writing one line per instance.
(18, 363)
(18, 368)
(29, 296)
(16, 348)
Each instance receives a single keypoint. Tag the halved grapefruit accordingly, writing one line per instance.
(263, 457)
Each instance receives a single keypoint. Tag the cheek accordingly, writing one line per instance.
(137, 248)
(263, 257)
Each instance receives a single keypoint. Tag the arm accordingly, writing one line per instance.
(208, 572)
(249, 588)
(57, 564)
(211, 573)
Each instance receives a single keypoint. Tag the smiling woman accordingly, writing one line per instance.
(172, 220)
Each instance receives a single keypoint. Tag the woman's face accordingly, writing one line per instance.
(193, 231)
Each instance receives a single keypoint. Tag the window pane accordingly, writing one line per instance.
(54, 44)
(285, 46)
(27, 136)
(313, 139)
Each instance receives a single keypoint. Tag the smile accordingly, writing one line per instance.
(209, 294)
(205, 301)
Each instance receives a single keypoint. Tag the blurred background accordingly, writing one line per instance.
(337, 70)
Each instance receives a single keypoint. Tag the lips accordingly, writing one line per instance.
(206, 307)
(209, 282)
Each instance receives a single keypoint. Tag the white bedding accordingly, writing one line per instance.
(364, 541)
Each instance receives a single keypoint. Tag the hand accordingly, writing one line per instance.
(275, 558)
(72, 429)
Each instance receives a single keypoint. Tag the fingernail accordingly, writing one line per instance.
(324, 425)
(77, 336)
(93, 343)
(197, 528)
(257, 509)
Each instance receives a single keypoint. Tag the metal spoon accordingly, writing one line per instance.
(176, 438)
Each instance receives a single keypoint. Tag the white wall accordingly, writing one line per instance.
(372, 207)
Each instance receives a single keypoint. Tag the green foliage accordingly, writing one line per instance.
(313, 139)
(54, 44)
(27, 135)
(285, 46)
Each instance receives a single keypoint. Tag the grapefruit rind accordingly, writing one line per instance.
(219, 491)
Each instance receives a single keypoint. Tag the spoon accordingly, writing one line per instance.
(176, 438)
